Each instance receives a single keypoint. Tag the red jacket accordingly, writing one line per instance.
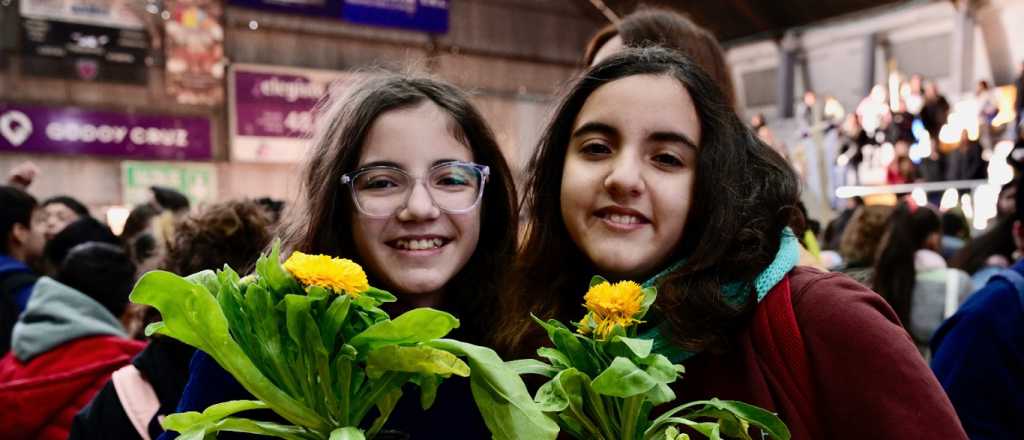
(868, 379)
(39, 399)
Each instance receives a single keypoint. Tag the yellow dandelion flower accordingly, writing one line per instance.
(337, 274)
(609, 305)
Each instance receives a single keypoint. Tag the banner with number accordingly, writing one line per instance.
(271, 110)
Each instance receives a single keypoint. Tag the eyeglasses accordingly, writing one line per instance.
(454, 187)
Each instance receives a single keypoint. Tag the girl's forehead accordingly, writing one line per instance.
(413, 138)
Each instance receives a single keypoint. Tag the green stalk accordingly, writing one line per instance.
(344, 370)
(630, 416)
(379, 388)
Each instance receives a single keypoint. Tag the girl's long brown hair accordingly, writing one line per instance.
(744, 195)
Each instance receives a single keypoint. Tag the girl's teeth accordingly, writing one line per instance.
(418, 245)
(623, 219)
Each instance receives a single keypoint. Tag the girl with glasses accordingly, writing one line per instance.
(658, 181)
(404, 177)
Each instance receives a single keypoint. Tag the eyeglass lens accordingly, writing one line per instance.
(453, 187)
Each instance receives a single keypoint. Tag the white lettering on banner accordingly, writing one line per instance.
(78, 132)
(16, 127)
(171, 137)
(291, 91)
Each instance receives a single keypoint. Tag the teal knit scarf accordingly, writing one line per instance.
(785, 259)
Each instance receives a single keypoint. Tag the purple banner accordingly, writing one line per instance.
(420, 15)
(33, 129)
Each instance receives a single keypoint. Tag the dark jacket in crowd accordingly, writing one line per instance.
(934, 114)
(16, 282)
(965, 163)
(164, 365)
(64, 348)
(979, 359)
(454, 413)
(869, 380)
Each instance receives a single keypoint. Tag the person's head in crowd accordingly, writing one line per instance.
(645, 142)
(911, 228)
(232, 233)
(102, 271)
(931, 90)
(274, 207)
(863, 234)
(757, 121)
(170, 199)
(666, 28)
(21, 225)
(149, 247)
(954, 224)
(982, 86)
(85, 229)
(60, 211)
(916, 83)
(405, 177)
(1006, 204)
(138, 221)
(810, 98)
(993, 248)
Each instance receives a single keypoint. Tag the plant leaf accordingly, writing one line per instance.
(505, 404)
(347, 433)
(533, 366)
(766, 421)
(623, 379)
(192, 315)
(417, 359)
(630, 348)
(555, 357)
(417, 325)
(597, 279)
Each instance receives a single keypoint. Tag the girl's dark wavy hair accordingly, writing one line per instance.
(321, 224)
(894, 271)
(743, 196)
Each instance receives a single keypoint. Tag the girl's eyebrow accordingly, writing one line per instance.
(594, 127)
(673, 137)
(380, 163)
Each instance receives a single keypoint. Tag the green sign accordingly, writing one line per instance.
(197, 181)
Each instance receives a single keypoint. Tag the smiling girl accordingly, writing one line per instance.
(405, 178)
(660, 182)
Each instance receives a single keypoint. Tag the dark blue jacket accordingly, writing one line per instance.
(453, 415)
(979, 359)
(16, 282)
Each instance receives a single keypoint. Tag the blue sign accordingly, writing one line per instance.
(317, 8)
(420, 15)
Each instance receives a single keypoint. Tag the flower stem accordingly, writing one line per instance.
(630, 415)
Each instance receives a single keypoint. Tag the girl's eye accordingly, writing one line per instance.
(668, 160)
(595, 149)
(378, 183)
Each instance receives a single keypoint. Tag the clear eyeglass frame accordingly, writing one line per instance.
(350, 178)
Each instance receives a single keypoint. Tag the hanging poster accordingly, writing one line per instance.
(120, 14)
(271, 110)
(67, 130)
(195, 51)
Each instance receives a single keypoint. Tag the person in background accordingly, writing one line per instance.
(859, 243)
(75, 233)
(66, 343)
(1006, 205)
(60, 211)
(170, 199)
(988, 253)
(912, 93)
(649, 26)
(231, 233)
(988, 108)
(956, 233)
(965, 161)
(934, 112)
(21, 247)
(979, 351)
(834, 230)
(912, 276)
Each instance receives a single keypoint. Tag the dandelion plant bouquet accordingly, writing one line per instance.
(308, 339)
(605, 382)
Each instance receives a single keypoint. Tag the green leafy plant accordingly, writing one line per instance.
(308, 339)
(605, 382)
